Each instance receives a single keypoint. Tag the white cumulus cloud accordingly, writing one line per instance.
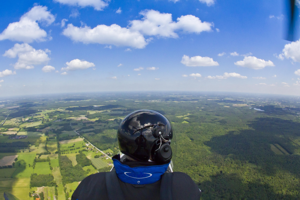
(260, 78)
(195, 75)
(120, 65)
(27, 29)
(254, 63)
(198, 61)
(102, 34)
(6, 72)
(77, 64)
(292, 51)
(234, 54)
(119, 11)
(64, 73)
(97, 4)
(297, 72)
(221, 54)
(227, 75)
(28, 57)
(48, 68)
(285, 84)
(63, 22)
(138, 69)
(184, 75)
(1, 81)
(208, 2)
(152, 68)
(155, 23)
(114, 77)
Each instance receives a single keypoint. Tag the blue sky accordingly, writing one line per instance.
(155, 45)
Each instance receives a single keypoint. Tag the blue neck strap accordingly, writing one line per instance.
(139, 175)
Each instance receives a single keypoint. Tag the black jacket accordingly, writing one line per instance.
(93, 187)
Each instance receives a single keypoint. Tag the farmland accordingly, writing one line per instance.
(228, 148)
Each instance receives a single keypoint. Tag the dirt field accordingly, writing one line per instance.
(71, 141)
(7, 160)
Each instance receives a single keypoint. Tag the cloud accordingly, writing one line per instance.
(275, 76)
(285, 84)
(139, 74)
(109, 35)
(152, 68)
(28, 57)
(77, 64)
(97, 4)
(64, 73)
(208, 2)
(75, 13)
(297, 72)
(48, 68)
(108, 47)
(292, 51)
(138, 69)
(195, 75)
(63, 22)
(218, 30)
(119, 11)
(184, 75)
(1, 81)
(27, 29)
(234, 54)
(157, 79)
(128, 49)
(155, 23)
(254, 63)
(120, 65)
(6, 73)
(174, 1)
(221, 54)
(262, 84)
(260, 78)
(198, 61)
(114, 77)
(227, 75)
(279, 17)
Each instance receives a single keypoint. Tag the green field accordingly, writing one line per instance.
(99, 163)
(90, 169)
(7, 172)
(42, 168)
(27, 157)
(23, 172)
(18, 188)
(54, 162)
(31, 124)
(72, 157)
(71, 187)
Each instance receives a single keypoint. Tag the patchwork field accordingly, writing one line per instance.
(7, 160)
(42, 168)
(7, 172)
(99, 163)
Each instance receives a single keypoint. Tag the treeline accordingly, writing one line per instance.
(42, 180)
(82, 160)
(69, 173)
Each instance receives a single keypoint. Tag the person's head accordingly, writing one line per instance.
(146, 134)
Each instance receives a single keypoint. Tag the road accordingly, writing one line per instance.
(91, 143)
(4, 120)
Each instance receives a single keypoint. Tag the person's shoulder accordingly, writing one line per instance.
(184, 187)
(91, 187)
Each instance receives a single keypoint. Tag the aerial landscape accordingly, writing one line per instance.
(232, 145)
(226, 74)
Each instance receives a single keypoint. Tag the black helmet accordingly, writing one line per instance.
(146, 134)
